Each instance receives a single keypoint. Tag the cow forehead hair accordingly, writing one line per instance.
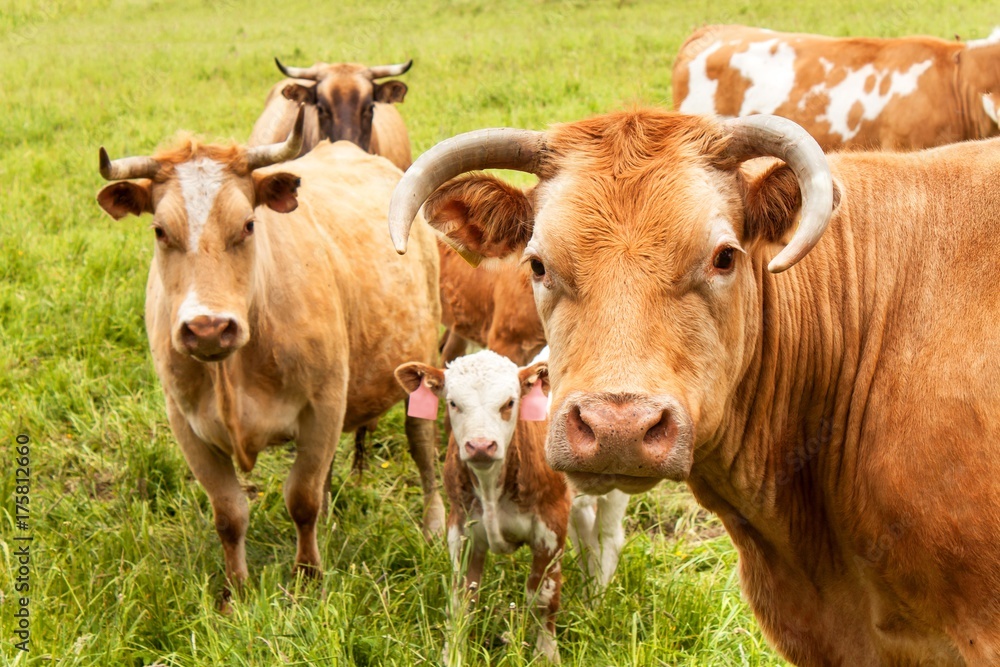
(628, 144)
(482, 373)
(186, 147)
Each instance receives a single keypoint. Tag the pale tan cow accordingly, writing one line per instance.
(343, 101)
(276, 313)
(842, 418)
(855, 92)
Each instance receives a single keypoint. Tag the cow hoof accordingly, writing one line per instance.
(434, 517)
(308, 572)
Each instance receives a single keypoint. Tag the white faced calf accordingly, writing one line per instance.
(503, 494)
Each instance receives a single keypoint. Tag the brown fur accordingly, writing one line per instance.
(845, 413)
(343, 90)
(946, 106)
(316, 297)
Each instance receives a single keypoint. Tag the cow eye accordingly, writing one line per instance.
(160, 234)
(725, 259)
(452, 404)
(510, 403)
(538, 268)
(248, 228)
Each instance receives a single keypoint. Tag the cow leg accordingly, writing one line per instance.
(469, 554)
(583, 533)
(611, 533)
(454, 347)
(420, 436)
(543, 590)
(215, 472)
(306, 482)
(358, 464)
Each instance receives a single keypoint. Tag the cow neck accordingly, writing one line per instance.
(492, 486)
(769, 473)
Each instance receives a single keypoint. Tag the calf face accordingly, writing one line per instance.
(202, 198)
(483, 394)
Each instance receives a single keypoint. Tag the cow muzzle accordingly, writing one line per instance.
(621, 441)
(209, 338)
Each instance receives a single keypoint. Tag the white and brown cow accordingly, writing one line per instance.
(502, 493)
(858, 92)
(842, 418)
(275, 313)
(343, 102)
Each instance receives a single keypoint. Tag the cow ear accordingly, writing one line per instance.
(410, 375)
(482, 214)
(277, 191)
(390, 92)
(124, 197)
(296, 92)
(529, 375)
(771, 202)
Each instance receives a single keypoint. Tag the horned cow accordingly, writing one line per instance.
(857, 92)
(843, 418)
(274, 313)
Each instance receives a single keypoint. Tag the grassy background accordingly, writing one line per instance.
(127, 567)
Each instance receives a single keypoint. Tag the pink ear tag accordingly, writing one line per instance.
(423, 403)
(535, 405)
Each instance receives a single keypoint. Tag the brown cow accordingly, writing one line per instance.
(344, 101)
(275, 313)
(493, 308)
(858, 92)
(842, 419)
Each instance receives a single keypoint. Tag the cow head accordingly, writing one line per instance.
(483, 393)
(647, 243)
(203, 199)
(345, 95)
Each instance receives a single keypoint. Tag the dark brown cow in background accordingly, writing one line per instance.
(856, 92)
(843, 418)
(344, 101)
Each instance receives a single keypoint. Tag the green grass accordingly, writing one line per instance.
(126, 564)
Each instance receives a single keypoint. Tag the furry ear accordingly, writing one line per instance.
(296, 92)
(411, 374)
(390, 92)
(771, 202)
(277, 191)
(124, 197)
(482, 214)
(529, 375)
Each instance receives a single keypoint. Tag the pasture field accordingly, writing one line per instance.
(126, 568)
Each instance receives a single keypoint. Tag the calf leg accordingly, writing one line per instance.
(611, 533)
(215, 472)
(420, 436)
(544, 587)
(306, 482)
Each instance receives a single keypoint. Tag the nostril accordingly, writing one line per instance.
(188, 337)
(662, 433)
(228, 336)
(580, 434)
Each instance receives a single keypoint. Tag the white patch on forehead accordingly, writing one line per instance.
(482, 376)
(701, 90)
(994, 38)
(192, 307)
(200, 181)
(852, 91)
(770, 68)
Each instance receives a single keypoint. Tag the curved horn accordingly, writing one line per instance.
(262, 156)
(127, 167)
(382, 71)
(496, 148)
(763, 135)
(297, 72)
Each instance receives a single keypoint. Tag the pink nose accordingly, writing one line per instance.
(628, 435)
(480, 449)
(209, 337)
